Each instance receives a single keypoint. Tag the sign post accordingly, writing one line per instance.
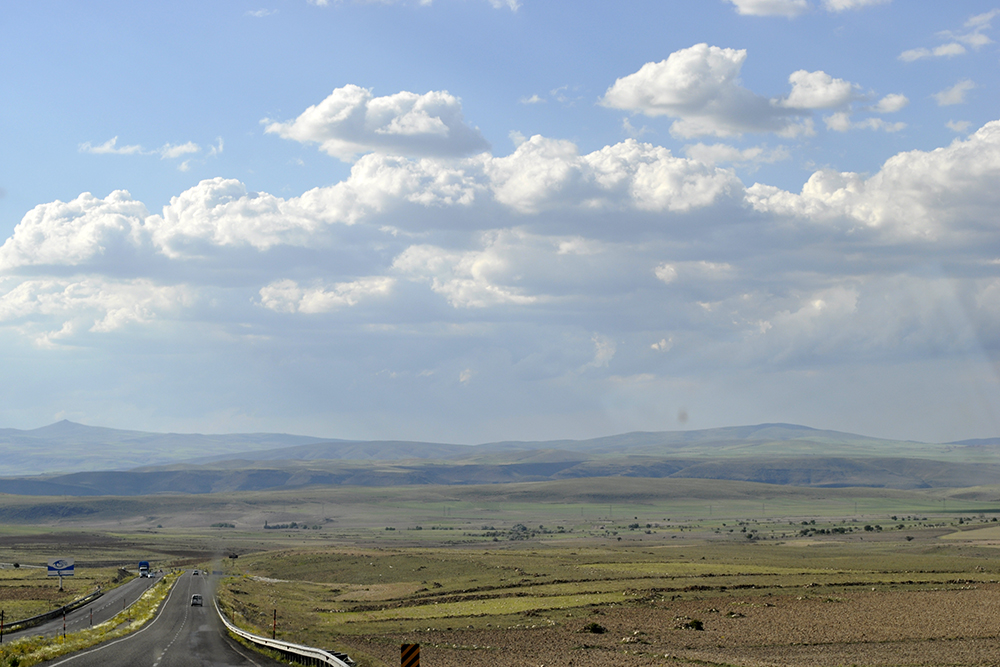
(61, 567)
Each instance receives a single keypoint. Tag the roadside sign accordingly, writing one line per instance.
(61, 567)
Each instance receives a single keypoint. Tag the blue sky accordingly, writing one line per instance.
(472, 220)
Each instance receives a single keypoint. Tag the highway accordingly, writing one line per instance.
(179, 636)
(103, 609)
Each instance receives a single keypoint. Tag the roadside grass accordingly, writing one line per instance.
(33, 650)
(27, 592)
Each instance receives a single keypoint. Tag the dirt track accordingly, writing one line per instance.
(953, 627)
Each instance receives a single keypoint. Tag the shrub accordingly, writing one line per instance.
(594, 628)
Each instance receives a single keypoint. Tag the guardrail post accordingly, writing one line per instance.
(1, 626)
(274, 624)
(409, 655)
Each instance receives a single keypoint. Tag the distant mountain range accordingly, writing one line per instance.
(72, 459)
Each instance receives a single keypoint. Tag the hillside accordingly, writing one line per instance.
(87, 461)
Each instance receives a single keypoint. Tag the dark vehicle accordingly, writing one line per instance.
(196, 600)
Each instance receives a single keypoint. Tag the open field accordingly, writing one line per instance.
(773, 575)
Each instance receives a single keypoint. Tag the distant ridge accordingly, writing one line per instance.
(66, 446)
(73, 459)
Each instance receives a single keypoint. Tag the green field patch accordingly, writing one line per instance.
(988, 533)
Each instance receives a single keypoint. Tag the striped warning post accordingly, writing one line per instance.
(409, 655)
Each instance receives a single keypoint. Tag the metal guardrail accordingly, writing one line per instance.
(26, 623)
(298, 652)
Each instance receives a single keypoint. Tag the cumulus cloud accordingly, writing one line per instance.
(287, 296)
(915, 195)
(954, 95)
(74, 232)
(818, 90)
(221, 212)
(891, 103)
(958, 125)
(700, 87)
(352, 121)
(467, 279)
(546, 173)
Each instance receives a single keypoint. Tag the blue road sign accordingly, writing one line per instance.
(61, 567)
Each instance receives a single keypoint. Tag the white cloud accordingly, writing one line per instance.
(260, 13)
(217, 148)
(958, 125)
(604, 351)
(468, 279)
(944, 51)
(791, 8)
(663, 345)
(841, 122)
(694, 271)
(220, 212)
(770, 7)
(955, 94)
(699, 86)
(973, 37)
(841, 5)
(512, 5)
(111, 147)
(351, 121)
(723, 153)
(287, 296)
(818, 90)
(93, 304)
(534, 99)
(74, 232)
(916, 195)
(170, 151)
(546, 173)
(891, 103)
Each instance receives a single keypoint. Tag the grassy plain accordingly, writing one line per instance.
(521, 573)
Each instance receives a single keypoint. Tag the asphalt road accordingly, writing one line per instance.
(179, 636)
(103, 608)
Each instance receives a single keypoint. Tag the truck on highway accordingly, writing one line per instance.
(144, 569)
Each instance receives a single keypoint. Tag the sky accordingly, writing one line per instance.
(479, 220)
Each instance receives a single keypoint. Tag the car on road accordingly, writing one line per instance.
(196, 600)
